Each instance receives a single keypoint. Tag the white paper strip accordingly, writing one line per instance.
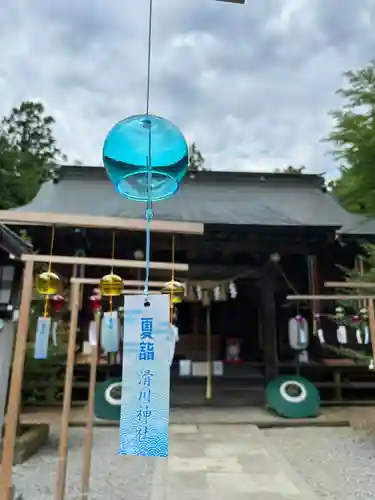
(92, 333)
(145, 377)
(367, 335)
(321, 335)
(342, 334)
(54, 332)
(358, 334)
(184, 367)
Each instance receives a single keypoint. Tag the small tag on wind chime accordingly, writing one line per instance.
(356, 320)
(145, 377)
(54, 332)
(342, 336)
(364, 322)
(43, 329)
(367, 334)
(109, 338)
(319, 328)
(341, 330)
(92, 333)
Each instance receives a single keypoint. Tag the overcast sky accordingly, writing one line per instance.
(251, 84)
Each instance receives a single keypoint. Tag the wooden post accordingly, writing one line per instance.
(63, 448)
(195, 312)
(90, 415)
(268, 322)
(208, 353)
(11, 419)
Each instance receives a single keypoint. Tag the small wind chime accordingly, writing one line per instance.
(111, 285)
(48, 286)
(219, 292)
(174, 289)
(359, 322)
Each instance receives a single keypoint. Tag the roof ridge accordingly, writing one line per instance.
(68, 172)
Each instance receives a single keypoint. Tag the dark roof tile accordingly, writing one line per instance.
(209, 197)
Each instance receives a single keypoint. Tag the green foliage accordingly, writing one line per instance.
(353, 139)
(43, 380)
(196, 159)
(28, 153)
(368, 276)
(291, 170)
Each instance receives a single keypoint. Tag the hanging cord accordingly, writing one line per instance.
(149, 212)
(112, 267)
(52, 242)
(172, 289)
(149, 58)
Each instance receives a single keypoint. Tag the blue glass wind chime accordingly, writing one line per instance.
(146, 158)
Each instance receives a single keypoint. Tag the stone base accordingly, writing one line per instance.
(33, 437)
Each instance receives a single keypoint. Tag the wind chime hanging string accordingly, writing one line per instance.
(149, 212)
(146, 158)
(48, 282)
(112, 269)
(173, 288)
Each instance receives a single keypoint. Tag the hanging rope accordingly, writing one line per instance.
(149, 212)
(149, 58)
(52, 242)
(112, 257)
(172, 290)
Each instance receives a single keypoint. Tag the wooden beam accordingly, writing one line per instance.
(10, 217)
(96, 281)
(95, 261)
(330, 297)
(352, 284)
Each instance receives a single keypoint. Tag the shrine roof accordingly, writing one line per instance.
(220, 198)
(13, 244)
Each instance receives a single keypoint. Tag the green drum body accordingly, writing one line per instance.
(291, 396)
(107, 404)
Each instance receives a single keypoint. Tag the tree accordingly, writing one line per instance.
(196, 159)
(28, 153)
(291, 170)
(353, 139)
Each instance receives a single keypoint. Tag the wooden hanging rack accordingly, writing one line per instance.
(348, 284)
(337, 284)
(330, 297)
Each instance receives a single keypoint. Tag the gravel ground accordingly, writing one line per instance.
(113, 477)
(338, 463)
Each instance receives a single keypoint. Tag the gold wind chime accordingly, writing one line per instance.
(173, 288)
(111, 285)
(47, 285)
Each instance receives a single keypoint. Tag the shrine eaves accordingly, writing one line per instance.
(232, 1)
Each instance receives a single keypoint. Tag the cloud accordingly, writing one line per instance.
(251, 84)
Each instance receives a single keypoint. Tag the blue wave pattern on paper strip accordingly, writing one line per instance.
(109, 337)
(43, 329)
(145, 383)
